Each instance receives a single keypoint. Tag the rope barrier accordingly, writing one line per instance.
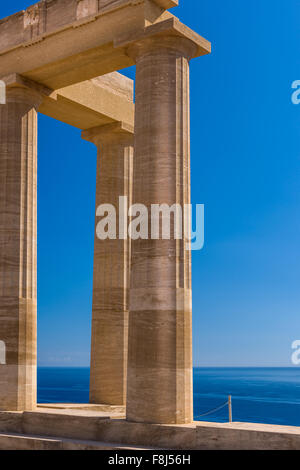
(214, 410)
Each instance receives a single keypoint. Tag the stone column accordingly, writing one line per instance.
(18, 247)
(160, 386)
(108, 377)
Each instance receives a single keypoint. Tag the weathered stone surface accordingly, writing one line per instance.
(22, 442)
(27, 442)
(47, 17)
(11, 421)
(79, 425)
(18, 246)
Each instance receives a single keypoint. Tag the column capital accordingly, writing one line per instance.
(170, 34)
(16, 85)
(115, 132)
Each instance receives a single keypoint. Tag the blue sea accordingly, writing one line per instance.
(259, 395)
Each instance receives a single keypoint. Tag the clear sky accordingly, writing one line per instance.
(245, 148)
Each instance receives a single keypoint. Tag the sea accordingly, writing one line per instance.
(259, 395)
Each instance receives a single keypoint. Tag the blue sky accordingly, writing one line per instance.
(245, 148)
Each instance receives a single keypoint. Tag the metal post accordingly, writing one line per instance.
(230, 408)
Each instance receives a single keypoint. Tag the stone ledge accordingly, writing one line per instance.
(109, 409)
(85, 425)
(10, 441)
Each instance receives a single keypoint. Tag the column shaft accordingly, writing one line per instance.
(18, 248)
(108, 377)
(160, 323)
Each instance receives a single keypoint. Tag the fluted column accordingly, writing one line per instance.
(160, 324)
(111, 267)
(18, 248)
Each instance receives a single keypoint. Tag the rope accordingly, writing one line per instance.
(212, 411)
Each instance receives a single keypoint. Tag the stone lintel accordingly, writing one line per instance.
(167, 28)
(108, 131)
(97, 102)
(65, 42)
(44, 18)
(16, 80)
